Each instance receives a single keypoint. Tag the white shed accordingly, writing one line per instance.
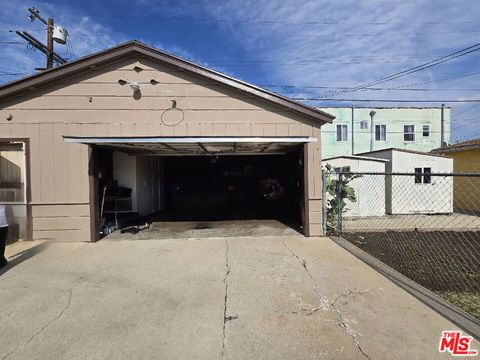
(416, 194)
(369, 189)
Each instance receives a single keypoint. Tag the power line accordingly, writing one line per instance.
(387, 132)
(467, 124)
(316, 36)
(414, 69)
(47, 49)
(391, 34)
(286, 88)
(387, 100)
(439, 80)
(268, 21)
(467, 110)
(393, 88)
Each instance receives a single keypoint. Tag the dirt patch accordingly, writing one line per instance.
(445, 262)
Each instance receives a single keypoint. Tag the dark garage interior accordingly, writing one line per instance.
(199, 188)
(234, 187)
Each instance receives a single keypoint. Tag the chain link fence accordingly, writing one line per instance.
(424, 225)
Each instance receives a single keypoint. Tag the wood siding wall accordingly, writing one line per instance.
(94, 104)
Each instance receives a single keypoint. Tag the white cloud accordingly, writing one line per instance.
(86, 35)
(352, 42)
(320, 43)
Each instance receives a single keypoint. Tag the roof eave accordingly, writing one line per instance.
(133, 47)
(456, 149)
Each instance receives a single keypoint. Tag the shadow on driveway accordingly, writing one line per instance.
(21, 256)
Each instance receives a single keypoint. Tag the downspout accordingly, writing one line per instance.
(372, 128)
(353, 129)
(442, 127)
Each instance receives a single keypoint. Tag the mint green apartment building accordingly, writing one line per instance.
(362, 129)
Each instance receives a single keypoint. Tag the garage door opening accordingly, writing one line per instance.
(234, 188)
(198, 184)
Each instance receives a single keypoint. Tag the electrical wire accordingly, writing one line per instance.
(467, 110)
(287, 89)
(267, 21)
(392, 88)
(387, 100)
(467, 124)
(451, 56)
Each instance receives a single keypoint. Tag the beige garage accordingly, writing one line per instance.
(166, 127)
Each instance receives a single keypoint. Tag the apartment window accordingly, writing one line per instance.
(343, 169)
(426, 130)
(409, 133)
(427, 178)
(342, 133)
(418, 175)
(380, 132)
(364, 124)
(12, 172)
(423, 175)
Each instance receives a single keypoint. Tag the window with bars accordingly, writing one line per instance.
(409, 133)
(426, 130)
(423, 175)
(380, 132)
(342, 133)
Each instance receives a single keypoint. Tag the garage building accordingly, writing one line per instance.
(135, 132)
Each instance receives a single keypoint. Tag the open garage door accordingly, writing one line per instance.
(196, 179)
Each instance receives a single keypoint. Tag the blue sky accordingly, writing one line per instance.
(303, 45)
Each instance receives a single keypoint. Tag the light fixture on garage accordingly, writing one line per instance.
(134, 85)
(153, 82)
(122, 82)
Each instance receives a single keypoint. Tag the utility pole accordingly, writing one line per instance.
(49, 43)
(48, 50)
(442, 127)
(372, 129)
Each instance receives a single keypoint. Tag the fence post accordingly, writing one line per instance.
(339, 203)
(324, 203)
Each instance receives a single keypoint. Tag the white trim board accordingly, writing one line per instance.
(184, 140)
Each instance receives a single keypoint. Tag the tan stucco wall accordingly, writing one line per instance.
(94, 104)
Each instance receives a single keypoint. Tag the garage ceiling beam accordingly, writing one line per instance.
(204, 149)
(169, 147)
(266, 147)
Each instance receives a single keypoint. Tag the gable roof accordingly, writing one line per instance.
(401, 150)
(461, 146)
(355, 157)
(134, 47)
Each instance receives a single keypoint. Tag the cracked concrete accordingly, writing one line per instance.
(326, 306)
(344, 324)
(225, 317)
(270, 297)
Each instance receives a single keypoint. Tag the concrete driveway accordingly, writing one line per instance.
(280, 297)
